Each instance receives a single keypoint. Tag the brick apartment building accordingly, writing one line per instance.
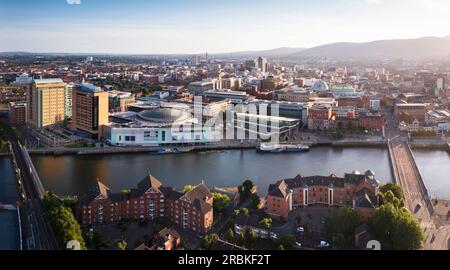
(192, 210)
(355, 190)
(17, 114)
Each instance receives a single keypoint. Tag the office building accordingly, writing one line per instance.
(262, 64)
(89, 110)
(46, 102)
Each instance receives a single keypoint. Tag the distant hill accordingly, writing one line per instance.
(420, 48)
(408, 49)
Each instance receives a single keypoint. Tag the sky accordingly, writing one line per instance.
(213, 26)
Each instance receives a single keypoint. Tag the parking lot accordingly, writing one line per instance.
(312, 219)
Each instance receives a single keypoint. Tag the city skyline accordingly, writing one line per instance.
(187, 27)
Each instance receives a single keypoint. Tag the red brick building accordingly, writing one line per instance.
(192, 210)
(320, 117)
(354, 190)
(17, 114)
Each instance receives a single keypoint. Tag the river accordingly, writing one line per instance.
(73, 175)
(9, 223)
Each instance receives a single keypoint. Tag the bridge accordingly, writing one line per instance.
(417, 199)
(36, 227)
(407, 175)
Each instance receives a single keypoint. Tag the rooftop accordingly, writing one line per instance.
(90, 88)
(48, 81)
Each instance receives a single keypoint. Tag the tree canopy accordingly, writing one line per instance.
(396, 228)
(209, 240)
(64, 224)
(220, 202)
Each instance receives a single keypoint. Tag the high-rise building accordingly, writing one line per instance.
(440, 86)
(196, 59)
(46, 102)
(89, 110)
(262, 64)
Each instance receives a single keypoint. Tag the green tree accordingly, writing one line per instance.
(266, 223)
(230, 235)
(287, 241)
(396, 228)
(248, 186)
(243, 211)
(121, 245)
(64, 224)
(188, 188)
(342, 225)
(220, 202)
(209, 240)
(256, 201)
(395, 189)
(280, 247)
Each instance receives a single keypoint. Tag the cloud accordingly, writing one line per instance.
(74, 2)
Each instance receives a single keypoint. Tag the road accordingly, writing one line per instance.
(41, 236)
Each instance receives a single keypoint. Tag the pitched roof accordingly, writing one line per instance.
(366, 199)
(145, 184)
(280, 188)
(198, 197)
(94, 191)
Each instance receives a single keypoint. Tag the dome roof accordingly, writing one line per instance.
(165, 115)
(320, 86)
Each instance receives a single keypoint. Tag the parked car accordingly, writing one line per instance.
(298, 244)
(300, 233)
(273, 235)
(323, 245)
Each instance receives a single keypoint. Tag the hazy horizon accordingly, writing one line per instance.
(193, 27)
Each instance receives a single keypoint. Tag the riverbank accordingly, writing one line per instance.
(232, 145)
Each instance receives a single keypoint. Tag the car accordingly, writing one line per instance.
(298, 244)
(323, 245)
(273, 235)
(300, 230)
(418, 206)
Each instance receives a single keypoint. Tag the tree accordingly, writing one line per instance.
(287, 241)
(280, 247)
(250, 239)
(230, 235)
(256, 201)
(396, 228)
(243, 211)
(62, 220)
(342, 225)
(248, 186)
(121, 245)
(266, 223)
(209, 240)
(220, 202)
(396, 190)
(188, 188)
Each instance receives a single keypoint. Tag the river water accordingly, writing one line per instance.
(9, 224)
(73, 175)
